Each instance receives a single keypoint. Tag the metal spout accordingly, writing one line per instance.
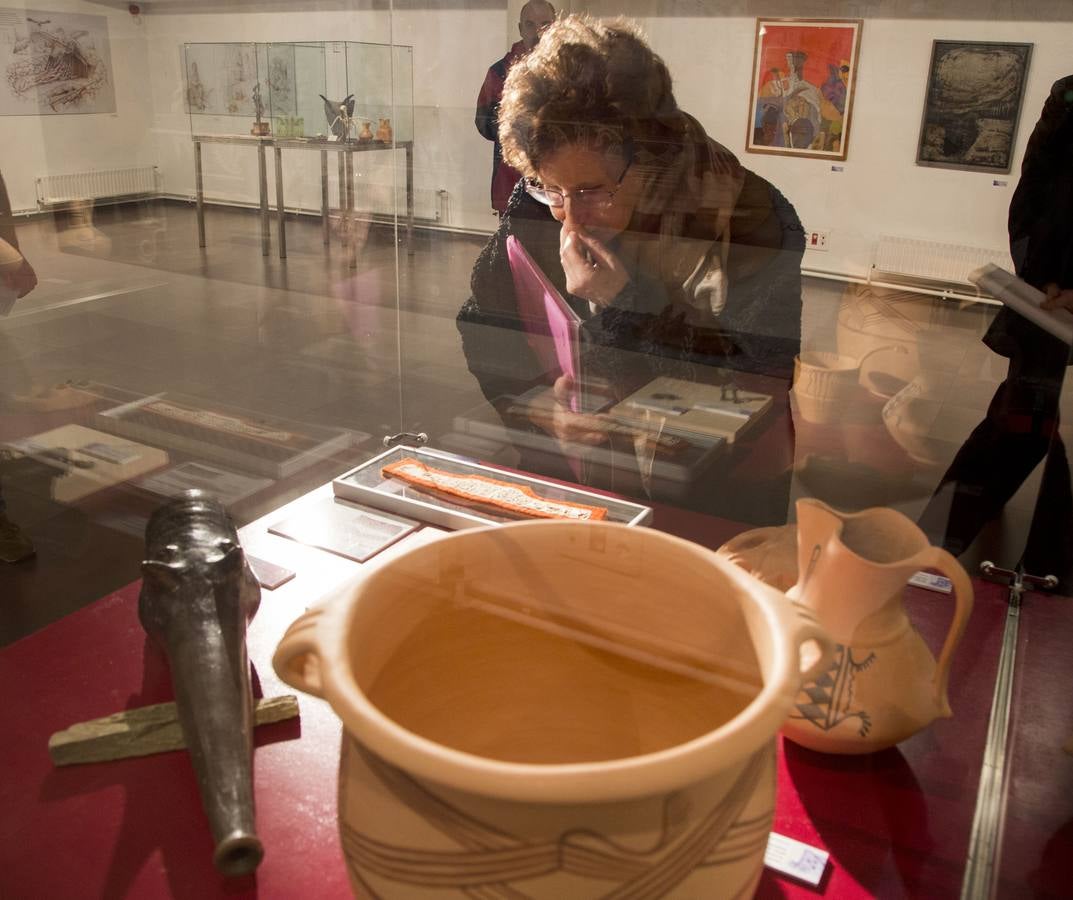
(197, 596)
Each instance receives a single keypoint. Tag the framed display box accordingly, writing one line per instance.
(220, 81)
(297, 80)
(803, 82)
(972, 105)
(253, 442)
(368, 485)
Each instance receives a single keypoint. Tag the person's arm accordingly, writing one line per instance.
(1039, 225)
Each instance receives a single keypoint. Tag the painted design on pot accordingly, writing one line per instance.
(885, 685)
(556, 709)
(829, 699)
(492, 860)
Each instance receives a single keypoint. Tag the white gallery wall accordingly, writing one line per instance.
(32, 146)
(708, 46)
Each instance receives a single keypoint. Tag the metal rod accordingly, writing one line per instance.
(410, 199)
(281, 212)
(262, 174)
(200, 187)
(981, 868)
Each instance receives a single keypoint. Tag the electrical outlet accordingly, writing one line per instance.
(816, 240)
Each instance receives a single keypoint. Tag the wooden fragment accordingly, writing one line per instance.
(143, 731)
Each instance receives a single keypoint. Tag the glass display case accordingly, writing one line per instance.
(223, 82)
(787, 290)
(297, 80)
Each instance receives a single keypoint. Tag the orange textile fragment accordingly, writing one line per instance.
(490, 492)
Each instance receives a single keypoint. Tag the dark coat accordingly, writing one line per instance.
(1041, 232)
(644, 333)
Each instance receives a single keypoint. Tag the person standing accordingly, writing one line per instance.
(17, 277)
(1021, 426)
(535, 16)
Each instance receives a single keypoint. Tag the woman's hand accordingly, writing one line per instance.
(592, 271)
(1057, 298)
(557, 419)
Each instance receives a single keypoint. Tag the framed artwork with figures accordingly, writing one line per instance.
(803, 82)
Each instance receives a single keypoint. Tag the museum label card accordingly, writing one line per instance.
(343, 528)
(795, 858)
(269, 575)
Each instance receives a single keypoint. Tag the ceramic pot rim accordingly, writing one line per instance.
(606, 781)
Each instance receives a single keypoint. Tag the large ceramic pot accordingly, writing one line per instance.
(553, 709)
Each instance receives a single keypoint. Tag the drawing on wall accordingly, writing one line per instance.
(54, 62)
(972, 105)
(220, 79)
(240, 75)
(197, 95)
(804, 79)
(281, 77)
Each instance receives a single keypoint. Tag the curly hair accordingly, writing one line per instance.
(589, 81)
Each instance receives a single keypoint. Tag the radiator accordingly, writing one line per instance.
(900, 258)
(106, 185)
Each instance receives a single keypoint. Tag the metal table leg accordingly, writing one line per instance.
(352, 249)
(200, 188)
(262, 173)
(324, 196)
(281, 213)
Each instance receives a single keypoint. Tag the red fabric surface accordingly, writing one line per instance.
(1037, 844)
(135, 827)
(897, 823)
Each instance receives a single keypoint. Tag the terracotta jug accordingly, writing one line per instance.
(383, 131)
(555, 709)
(850, 570)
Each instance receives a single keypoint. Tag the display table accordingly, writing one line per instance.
(345, 151)
(896, 823)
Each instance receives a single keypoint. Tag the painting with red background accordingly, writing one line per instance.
(824, 45)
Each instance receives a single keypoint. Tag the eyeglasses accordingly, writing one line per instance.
(590, 198)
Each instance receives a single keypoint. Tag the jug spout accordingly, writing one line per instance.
(817, 524)
(852, 568)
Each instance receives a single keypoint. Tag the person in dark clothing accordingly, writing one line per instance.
(535, 16)
(18, 278)
(675, 255)
(1021, 426)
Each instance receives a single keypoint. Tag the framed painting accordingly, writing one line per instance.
(804, 79)
(972, 105)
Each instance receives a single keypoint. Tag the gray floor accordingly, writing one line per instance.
(127, 299)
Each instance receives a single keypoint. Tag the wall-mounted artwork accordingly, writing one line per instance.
(220, 79)
(282, 100)
(804, 79)
(972, 106)
(54, 63)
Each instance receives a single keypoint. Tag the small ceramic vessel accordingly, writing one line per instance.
(555, 709)
(850, 570)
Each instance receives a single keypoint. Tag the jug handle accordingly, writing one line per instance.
(938, 559)
(805, 628)
(297, 659)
